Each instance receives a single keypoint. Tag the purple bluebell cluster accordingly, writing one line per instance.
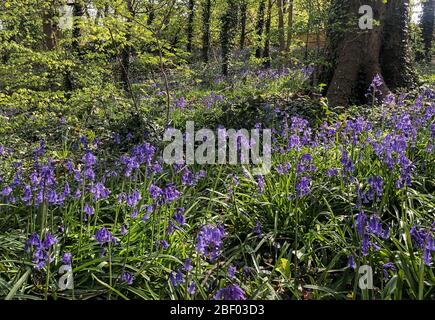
(231, 292)
(41, 249)
(424, 240)
(210, 241)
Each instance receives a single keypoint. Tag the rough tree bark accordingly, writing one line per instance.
(396, 59)
(266, 52)
(290, 24)
(353, 52)
(243, 18)
(427, 26)
(206, 19)
(190, 25)
(77, 16)
(126, 50)
(49, 28)
(228, 28)
(281, 31)
(260, 27)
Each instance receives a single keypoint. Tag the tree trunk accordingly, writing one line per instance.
(206, 19)
(354, 51)
(228, 28)
(290, 24)
(260, 27)
(77, 16)
(151, 13)
(310, 13)
(243, 18)
(126, 50)
(281, 31)
(190, 25)
(266, 53)
(396, 59)
(49, 27)
(427, 26)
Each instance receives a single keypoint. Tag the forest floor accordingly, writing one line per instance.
(83, 184)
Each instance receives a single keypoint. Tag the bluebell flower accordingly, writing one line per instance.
(231, 271)
(177, 278)
(127, 277)
(192, 288)
(303, 186)
(187, 266)
(210, 241)
(67, 258)
(232, 292)
(351, 262)
(258, 229)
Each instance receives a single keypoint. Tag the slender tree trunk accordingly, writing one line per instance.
(228, 28)
(310, 7)
(77, 17)
(266, 53)
(126, 50)
(190, 25)
(427, 26)
(151, 13)
(206, 20)
(290, 24)
(396, 58)
(281, 31)
(49, 27)
(243, 18)
(260, 27)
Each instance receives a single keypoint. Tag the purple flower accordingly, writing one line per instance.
(27, 195)
(332, 172)
(32, 241)
(170, 194)
(66, 189)
(231, 271)
(99, 191)
(232, 292)
(89, 159)
(49, 241)
(103, 236)
(170, 228)
(192, 288)
(260, 184)
(209, 241)
(303, 186)
(127, 277)
(365, 244)
(162, 243)
(187, 177)
(88, 210)
(187, 266)
(386, 267)
(258, 229)
(361, 222)
(351, 262)
(376, 187)
(178, 217)
(133, 199)
(123, 230)
(155, 191)
(7, 190)
(67, 258)
(177, 278)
